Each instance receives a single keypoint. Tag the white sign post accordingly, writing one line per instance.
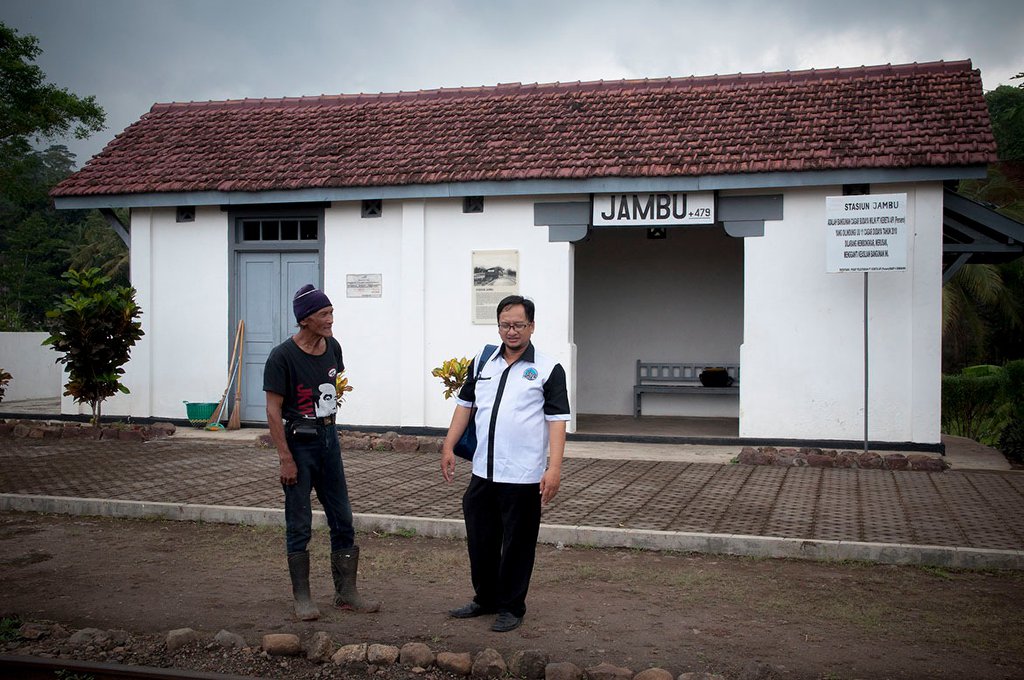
(866, 234)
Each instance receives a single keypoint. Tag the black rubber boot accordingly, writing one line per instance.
(298, 569)
(344, 566)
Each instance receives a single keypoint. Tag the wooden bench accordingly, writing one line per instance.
(659, 377)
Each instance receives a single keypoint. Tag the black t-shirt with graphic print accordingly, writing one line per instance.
(305, 381)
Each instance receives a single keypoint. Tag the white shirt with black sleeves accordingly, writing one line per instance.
(513, 406)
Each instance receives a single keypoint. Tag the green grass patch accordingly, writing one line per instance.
(9, 626)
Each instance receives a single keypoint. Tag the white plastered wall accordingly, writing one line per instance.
(803, 353)
(180, 273)
(423, 251)
(802, 370)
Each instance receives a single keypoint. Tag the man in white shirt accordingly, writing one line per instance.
(522, 405)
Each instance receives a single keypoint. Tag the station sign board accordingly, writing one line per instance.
(654, 209)
(866, 233)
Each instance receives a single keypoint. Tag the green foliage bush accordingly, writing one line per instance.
(1011, 440)
(969, 405)
(986, 403)
(9, 626)
(94, 328)
(1013, 387)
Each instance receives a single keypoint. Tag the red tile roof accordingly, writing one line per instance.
(904, 116)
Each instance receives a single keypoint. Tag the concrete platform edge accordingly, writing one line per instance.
(728, 544)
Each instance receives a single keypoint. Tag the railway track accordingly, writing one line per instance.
(38, 668)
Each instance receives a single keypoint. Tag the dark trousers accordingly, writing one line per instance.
(502, 523)
(320, 469)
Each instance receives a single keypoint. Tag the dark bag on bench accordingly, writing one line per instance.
(715, 377)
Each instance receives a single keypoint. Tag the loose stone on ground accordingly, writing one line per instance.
(279, 653)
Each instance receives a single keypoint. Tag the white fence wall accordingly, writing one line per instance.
(36, 375)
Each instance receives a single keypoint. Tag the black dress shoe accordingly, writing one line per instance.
(469, 611)
(505, 622)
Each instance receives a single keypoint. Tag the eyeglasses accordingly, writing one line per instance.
(518, 327)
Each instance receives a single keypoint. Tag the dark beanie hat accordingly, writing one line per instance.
(308, 300)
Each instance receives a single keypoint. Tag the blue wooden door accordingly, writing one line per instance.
(266, 284)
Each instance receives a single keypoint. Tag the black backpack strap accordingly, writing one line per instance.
(481, 360)
(485, 357)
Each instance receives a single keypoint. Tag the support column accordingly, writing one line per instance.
(411, 327)
(138, 372)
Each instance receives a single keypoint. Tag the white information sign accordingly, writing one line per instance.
(866, 233)
(363, 285)
(653, 210)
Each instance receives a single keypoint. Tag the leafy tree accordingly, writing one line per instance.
(33, 238)
(94, 328)
(94, 244)
(33, 235)
(1006, 109)
(975, 295)
(983, 305)
(32, 108)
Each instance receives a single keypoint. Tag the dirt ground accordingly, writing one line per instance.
(629, 608)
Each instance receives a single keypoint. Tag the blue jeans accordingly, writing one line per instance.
(320, 469)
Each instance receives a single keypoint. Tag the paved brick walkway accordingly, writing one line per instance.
(982, 509)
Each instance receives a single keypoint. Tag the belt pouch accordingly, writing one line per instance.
(303, 430)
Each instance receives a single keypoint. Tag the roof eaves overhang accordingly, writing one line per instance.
(605, 185)
(973, 233)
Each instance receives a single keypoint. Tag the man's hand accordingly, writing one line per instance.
(289, 472)
(447, 463)
(553, 475)
(460, 419)
(549, 484)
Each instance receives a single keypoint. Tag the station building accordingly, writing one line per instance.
(678, 221)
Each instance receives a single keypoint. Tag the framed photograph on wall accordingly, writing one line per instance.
(495, 276)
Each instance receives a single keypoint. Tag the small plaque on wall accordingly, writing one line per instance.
(363, 285)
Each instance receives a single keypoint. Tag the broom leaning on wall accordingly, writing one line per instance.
(234, 369)
(235, 421)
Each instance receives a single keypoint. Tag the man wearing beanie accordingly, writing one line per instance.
(299, 380)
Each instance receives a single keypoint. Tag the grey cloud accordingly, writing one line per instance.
(133, 53)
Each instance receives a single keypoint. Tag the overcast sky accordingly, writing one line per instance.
(131, 54)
